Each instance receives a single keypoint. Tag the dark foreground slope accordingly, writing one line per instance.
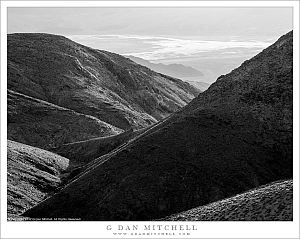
(32, 174)
(44, 125)
(105, 85)
(273, 202)
(235, 136)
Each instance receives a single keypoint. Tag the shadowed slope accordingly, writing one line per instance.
(83, 152)
(33, 173)
(107, 86)
(272, 202)
(39, 123)
(235, 136)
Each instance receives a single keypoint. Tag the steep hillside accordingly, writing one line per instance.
(38, 123)
(235, 136)
(107, 86)
(268, 203)
(32, 173)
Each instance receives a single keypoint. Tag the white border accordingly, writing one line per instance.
(98, 229)
(283, 3)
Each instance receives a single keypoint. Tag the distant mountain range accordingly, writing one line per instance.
(179, 71)
(174, 70)
(234, 137)
(198, 84)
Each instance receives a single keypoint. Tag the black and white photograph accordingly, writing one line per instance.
(161, 120)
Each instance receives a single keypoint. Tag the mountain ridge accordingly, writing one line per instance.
(93, 82)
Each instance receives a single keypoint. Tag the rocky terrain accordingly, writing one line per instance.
(39, 123)
(101, 84)
(33, 173)
(273, 202)
(235, 136)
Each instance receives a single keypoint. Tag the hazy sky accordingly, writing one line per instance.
(214, 40)
(266, 22)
